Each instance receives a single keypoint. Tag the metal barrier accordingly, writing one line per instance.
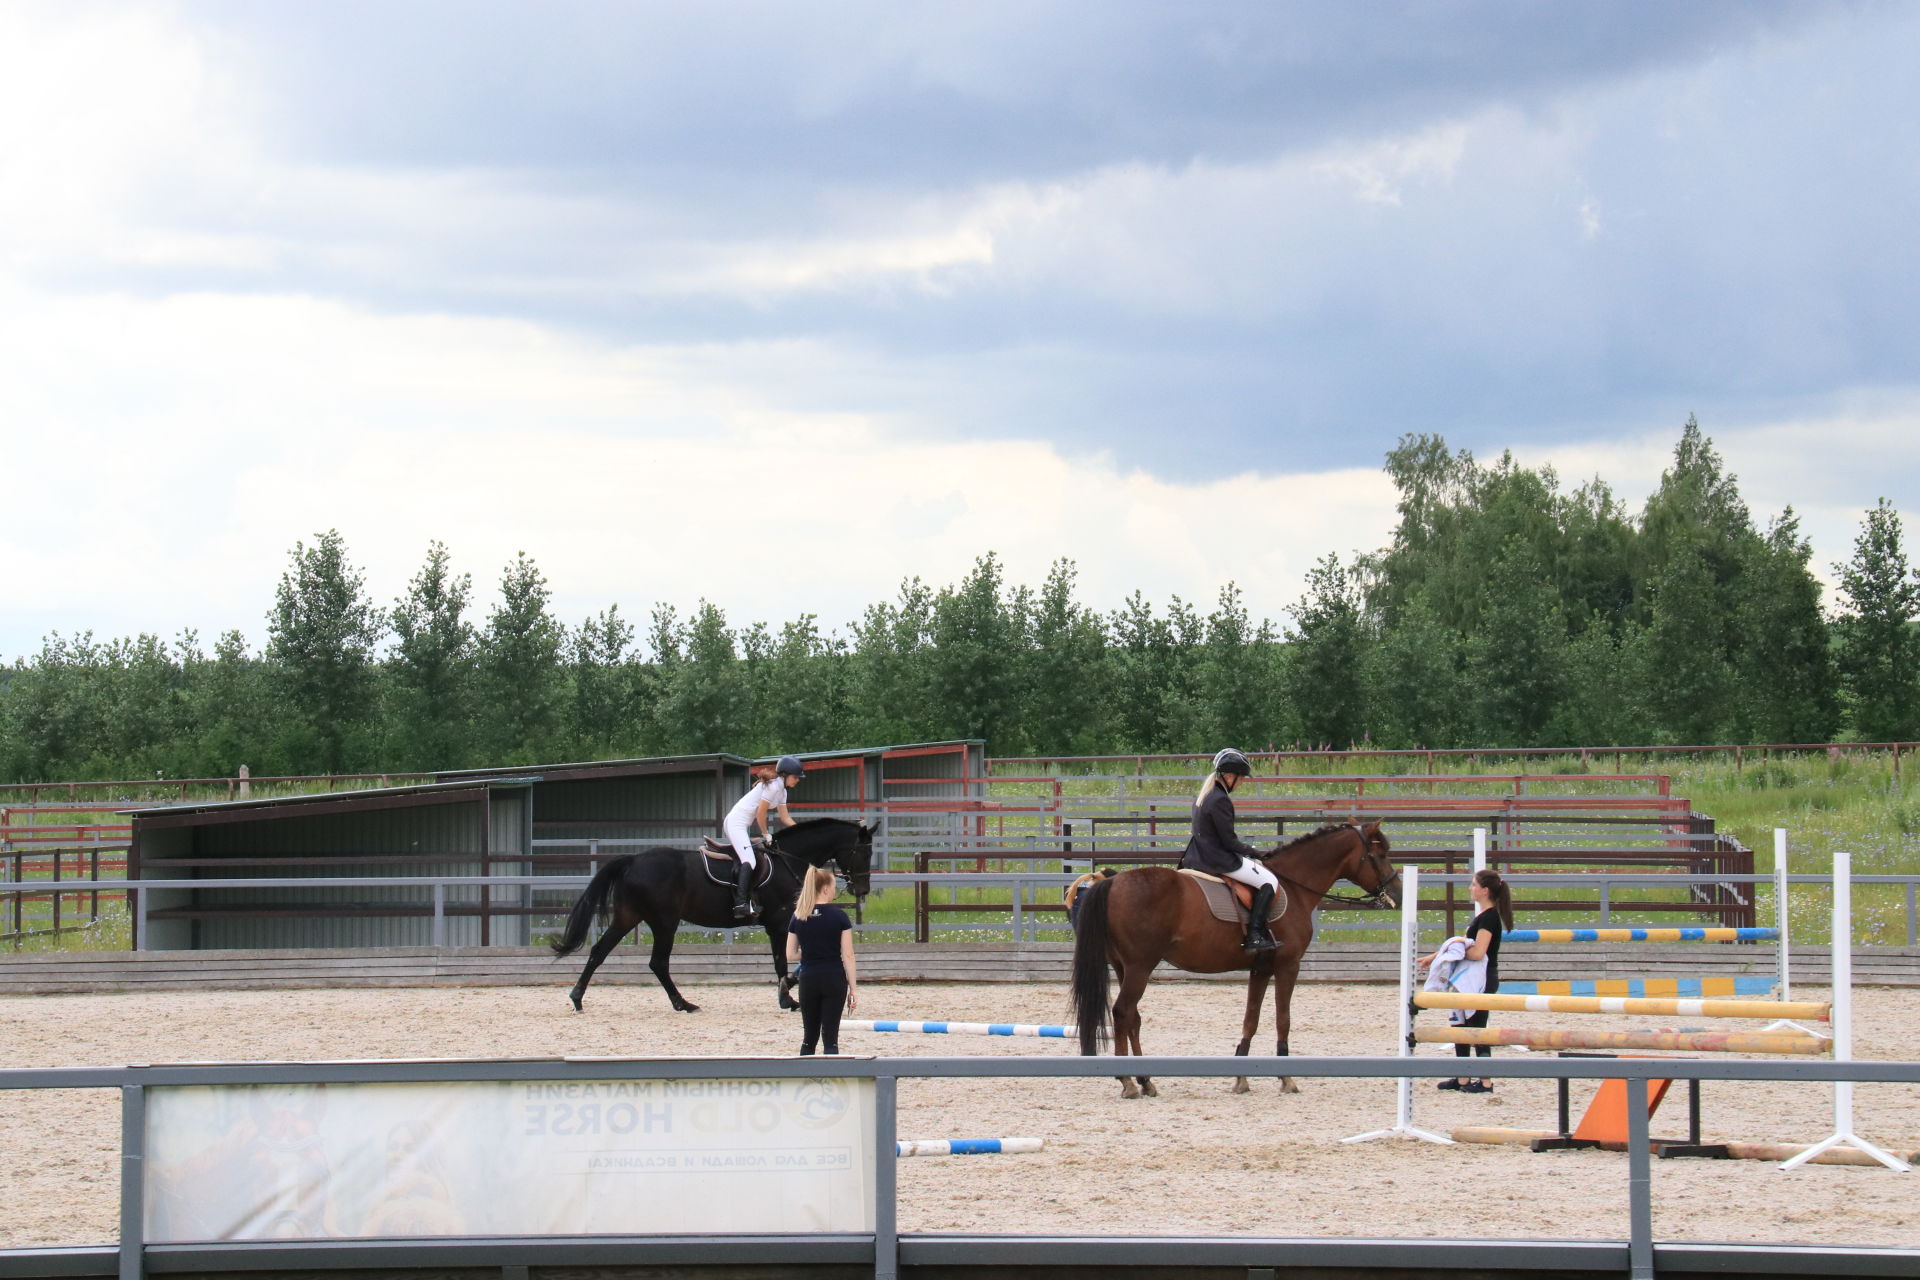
(1033, 903)
(1638, 1255)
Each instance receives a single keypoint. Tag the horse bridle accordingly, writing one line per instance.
(1373, 899)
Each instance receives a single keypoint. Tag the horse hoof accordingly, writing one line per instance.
(687, 1008)
(575, 997)
(1240, 1085)
(1287, 1085)
(1129, 1090)
(1146, 1087)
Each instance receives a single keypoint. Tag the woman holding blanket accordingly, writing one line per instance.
(820, 939)
(1494, 917)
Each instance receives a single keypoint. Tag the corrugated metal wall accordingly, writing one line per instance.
(435, 839)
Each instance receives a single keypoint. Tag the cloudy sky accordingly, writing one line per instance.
(646, 289)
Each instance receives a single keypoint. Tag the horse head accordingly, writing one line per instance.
(847, 845)
(1369, 865)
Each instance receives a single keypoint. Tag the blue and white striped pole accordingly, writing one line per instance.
(971, 1147)
(1042, 1030)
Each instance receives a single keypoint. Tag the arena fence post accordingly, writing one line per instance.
(133, 1182)
(1639, 1184)
(886, 1156)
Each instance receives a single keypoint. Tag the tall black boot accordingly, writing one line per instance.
(1259, 937)
(742, 891)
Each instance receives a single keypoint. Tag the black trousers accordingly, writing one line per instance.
(823, 998)
(1477, 1019)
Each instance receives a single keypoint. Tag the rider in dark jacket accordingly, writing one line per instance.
(1216, 850)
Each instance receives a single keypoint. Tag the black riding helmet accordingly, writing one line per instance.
(791, 765)
(1231, 761)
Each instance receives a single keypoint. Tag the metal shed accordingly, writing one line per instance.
(453, 829)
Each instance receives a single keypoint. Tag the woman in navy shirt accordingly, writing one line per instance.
(820, 939)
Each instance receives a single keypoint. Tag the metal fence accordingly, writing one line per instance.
(1639, 1255)
(1031, 907)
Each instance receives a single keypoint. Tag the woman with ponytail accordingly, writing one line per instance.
(820, 941)
(1495, 901)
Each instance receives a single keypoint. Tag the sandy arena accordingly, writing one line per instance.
(1197, 1159)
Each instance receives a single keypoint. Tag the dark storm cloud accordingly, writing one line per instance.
(1643, 208)
(921, 94)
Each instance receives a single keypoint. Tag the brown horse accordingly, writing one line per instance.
(1134, 920)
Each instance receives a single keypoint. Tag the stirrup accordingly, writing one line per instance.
(1259, 940)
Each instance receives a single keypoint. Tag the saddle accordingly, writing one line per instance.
(719, 851)
(1231, 901)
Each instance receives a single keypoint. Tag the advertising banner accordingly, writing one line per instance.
(603, 1157)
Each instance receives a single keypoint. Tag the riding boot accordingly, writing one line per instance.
(742, 891)
(1259, 937)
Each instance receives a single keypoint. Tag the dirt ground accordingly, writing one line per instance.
(1197, 1159)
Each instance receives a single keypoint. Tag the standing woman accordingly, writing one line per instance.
(769, 792)
(820, 939)
(1495, 901)
(1216, 850)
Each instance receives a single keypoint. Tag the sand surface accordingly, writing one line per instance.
(1197, 1159)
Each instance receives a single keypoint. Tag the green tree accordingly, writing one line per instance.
(1786, 686)
(1879, 652)
(1515, 658)
(1069, 694)
(321, 637)
(605, 707)
(1147, 675)
(706, 703)
(1326, 657)
(519, 666)
(431, 668)
(1602, 698)
(1689, 683)
(1413, 681)
(972, 667)
(805, 706)
(888, 674)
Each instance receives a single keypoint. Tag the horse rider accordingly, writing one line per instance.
(769, 792)
(1216, 850)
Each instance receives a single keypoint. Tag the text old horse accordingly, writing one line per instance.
(1132, 921)
(662, 887)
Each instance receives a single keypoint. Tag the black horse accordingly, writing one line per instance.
(662, 887)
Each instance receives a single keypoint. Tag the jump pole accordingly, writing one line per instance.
(969, 1146)
(1044, 1031)
(1403, 1126)
(1479, 850)
(1843, 1134)
(1780, 930)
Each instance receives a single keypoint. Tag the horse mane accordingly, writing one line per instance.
(1315, 834)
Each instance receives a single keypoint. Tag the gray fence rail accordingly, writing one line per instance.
(1017, 922)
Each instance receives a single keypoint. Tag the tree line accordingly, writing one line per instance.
(1507, 610)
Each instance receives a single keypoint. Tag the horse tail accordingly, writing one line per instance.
(593, 902)
(1091, 975)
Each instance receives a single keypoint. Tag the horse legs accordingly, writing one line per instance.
(619, 927)
(663, 931)
(1256, 994)
(778, 937)
(1286, 973)
(1126, 1027)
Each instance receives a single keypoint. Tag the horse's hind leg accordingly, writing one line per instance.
(1126, 1028)
(1256, 994)
(663, 931)
(1286, 973)
(621, 925)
